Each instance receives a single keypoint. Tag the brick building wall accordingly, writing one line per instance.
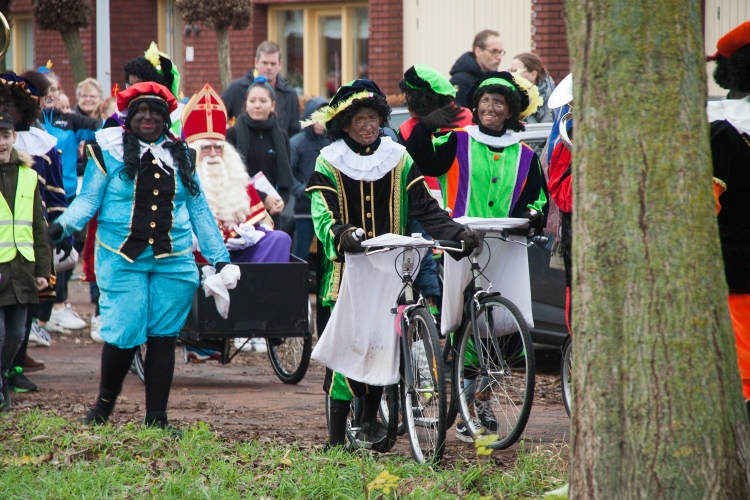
(242, 44)
(549, 40)
(133, 25)
(385, 50)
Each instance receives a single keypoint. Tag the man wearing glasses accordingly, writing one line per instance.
(486, 54)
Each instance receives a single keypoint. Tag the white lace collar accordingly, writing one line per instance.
(35, 142)
(505, 140)
(364, 168)
(110, 140)
(735, 111)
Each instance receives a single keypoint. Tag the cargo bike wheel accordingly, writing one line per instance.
(290, 356)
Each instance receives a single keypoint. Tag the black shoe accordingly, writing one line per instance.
(18, 382)
(158, 419)
(93, 417)
(373, 432)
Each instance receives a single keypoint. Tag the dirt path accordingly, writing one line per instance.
(241, 400)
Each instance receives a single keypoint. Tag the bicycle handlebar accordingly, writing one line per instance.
(447, 245)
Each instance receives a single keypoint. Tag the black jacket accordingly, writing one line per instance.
(287, 102)
(464, 73)
(305, 148)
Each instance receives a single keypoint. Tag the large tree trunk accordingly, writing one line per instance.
(72, 40)
(225, 65)
(657, 410)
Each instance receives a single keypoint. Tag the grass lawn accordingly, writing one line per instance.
(44, 456)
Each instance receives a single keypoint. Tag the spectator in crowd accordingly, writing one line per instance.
(20, 98)
(530, 67)
(25, 259)
(305, 148)
(264, 145)
(89, 97)
(63, 103)
(69, 129)
(109, 106)
(267, 64)
(486, 54)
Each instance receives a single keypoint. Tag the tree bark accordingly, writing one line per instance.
(225, 65)
(658, 411)
(72, 38)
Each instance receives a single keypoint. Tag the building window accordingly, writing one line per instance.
(291, 41)
(323, 45)
(20, 55)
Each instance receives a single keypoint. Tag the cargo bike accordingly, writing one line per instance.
(271, 301)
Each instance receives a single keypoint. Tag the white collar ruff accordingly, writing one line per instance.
(505, 140)
(364, 168)
(735, 111)
(110, 140)
(35, 142)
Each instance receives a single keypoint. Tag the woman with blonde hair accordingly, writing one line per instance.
(89, 97)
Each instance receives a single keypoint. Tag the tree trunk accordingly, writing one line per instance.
(225, 65)
(72, 38)
(658, 411)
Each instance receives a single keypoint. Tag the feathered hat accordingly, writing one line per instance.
(531, 101)
(164, 67)
(344, 97)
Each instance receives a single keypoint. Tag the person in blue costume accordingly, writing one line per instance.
(142, 181)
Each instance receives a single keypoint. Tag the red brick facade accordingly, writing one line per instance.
(549, 40)
(385, 52)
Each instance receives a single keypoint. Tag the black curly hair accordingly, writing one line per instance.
(25, 103)
(179, 149)
(335, 126)
(739, 70)
(144, 70)
(721, 73)
(514, 99)
(422, 102)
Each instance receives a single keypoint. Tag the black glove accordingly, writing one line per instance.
(65, 246)
(220, 266)
(470, 238)
(348, 243)
(444, 117)
(53, 233)
(536, 218)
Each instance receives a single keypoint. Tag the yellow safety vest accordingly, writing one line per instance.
(16, 228)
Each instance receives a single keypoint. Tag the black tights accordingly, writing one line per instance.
(159, 370)
(339, 412)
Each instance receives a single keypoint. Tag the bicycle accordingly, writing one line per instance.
(566, 373)
(493, 370)
(422, 385)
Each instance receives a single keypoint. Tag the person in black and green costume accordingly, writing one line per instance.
(364, 181)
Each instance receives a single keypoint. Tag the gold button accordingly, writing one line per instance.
(369, 215)
(153, 144)
(367, 198)
(154, 162)
(153, 224)
(151, 241)
(153, 207)
(156, 192)
(369, 233)
(157, 175)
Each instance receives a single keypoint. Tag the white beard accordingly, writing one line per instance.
(224, 181)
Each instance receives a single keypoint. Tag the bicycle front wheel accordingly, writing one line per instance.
(423, 403)
(566, 373)
(494, 382)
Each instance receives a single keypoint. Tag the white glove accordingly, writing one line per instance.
(247, 237)
(219, 285)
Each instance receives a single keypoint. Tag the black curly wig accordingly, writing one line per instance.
(179, 149)
(739, 70)
(144, 70)
(514, 99)
(422, 102)
(335, 126)
(26, 104)
(721, 73)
